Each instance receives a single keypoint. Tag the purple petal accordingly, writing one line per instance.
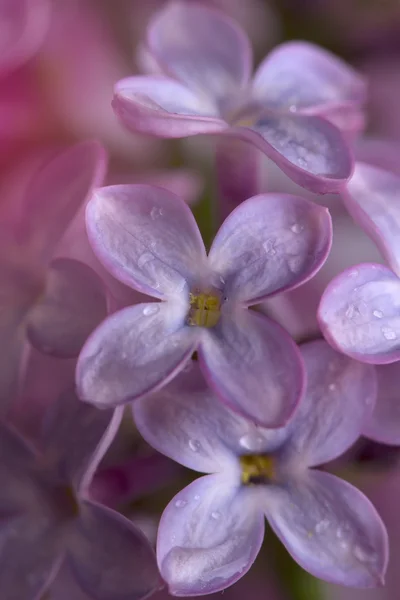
(208, 538)
(73, 305)
(384, 424)
(23, 27)
(372, 199)
(202, 48)
(12, 339)
(30, 555)
(330, 528)
(76, 436)
(147, 237)
(339, 400)
(309, 149)
(302, 76)
(163, 107)
(359, 313)
(134, 352)
(110, 558)
(56, 192)
(289, 242)
(254, 366)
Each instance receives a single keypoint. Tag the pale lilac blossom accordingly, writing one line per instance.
(148, 238)
(211, 532)
(296, 109)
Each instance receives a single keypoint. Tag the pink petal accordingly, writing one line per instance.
(300, 76)
(163, 107)
(372, 199)
(147, 237)
(289, 242)
(359, 313)
(331, 529)
(309, 149)
(23, 26)
(76, 436)
(202, 48)
(384, 423)
(209, 536)
(254, 366)
(110, 558)
(55, 194)
(73, 305)
(339, 400)
(133, 352)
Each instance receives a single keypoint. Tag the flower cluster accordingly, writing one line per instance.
(261, 349)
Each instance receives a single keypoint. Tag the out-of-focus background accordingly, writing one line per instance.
(63, 94)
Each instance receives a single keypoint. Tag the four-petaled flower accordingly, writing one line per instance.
(211, 532)
(297, 108)
(47, 517)
(148, 238)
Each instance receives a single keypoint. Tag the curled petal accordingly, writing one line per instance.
(202, 48)
(110, 558)
(339, 400)
(133, 352)
(331, 529)
(254, 366)
(56, 192)
(384, 423)
(208, 538)
(23, 26)
(163, 107)
(76, 436)
(303, 77)
(372, 199)
(147, 237)
(309, 149)
(73, 305)
(289, 241)
(359, 313)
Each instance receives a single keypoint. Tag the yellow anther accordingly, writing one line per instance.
(205, 310)
(257, 468)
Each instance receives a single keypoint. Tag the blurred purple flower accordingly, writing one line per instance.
(285, 110)
(47, 517)
(148, 238)
(56, 304)
(211, 532)
(359, 311)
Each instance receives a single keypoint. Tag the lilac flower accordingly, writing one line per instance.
(359, 311)
(48, 519)
(54, 303)
(211, 532)
(23, 26)
(285, 110)
(148, 238)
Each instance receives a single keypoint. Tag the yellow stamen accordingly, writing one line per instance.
(257, 468)
(205, 309)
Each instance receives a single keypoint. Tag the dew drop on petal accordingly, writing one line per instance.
(196, 497)
(156, 212)
(388, 333)
(322, 526)
(194, 445)
(378, 314)
(332, 387)
(353, 273)
(151, 309)
(301, 162)
(144, 258)
(215, 515)
(180, 503)
(363, 556)
(269, 247)
(296, 228)
(252, 441)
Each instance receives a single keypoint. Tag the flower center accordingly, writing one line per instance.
(205, 308)
(257, 469)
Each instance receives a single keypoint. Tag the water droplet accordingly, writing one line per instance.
(144, 258)
(351, 311)
(180, 503)
(362, 555)
(292, 108)
(252, 441)
(269, 247)
(388, 333)
(194, 445)
(215, 515)
(322, 526)
(353, 273)
(332, 387)
(156, 212)
(222, 280)
(378, 314)
(301, 162)
(296, 228)
(196, 497)
(151, 309)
